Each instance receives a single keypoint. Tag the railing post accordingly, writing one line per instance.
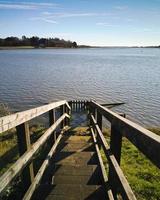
(99, 120)
(66, 119)
(24, 144)
(52, 119)
(62, 110)
(116, 142)
(115, 147)
(92, 111)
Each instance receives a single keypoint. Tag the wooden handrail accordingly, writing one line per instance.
(14, 120)
(104, 174)
(146, 141)
(40, 172)
(127, 191)
(13, 171)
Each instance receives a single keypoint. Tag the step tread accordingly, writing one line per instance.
(77, 175)
(75, 170)
(75, 158)
(69, 191)
(74, 179)
(91, 174)
(77, 139)
(76, 146)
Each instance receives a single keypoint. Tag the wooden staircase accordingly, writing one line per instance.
(73, 169)
(74, 172)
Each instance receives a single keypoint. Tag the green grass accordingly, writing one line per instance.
(142, 175)
(9, 148)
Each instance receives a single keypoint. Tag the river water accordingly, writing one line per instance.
(33, 77)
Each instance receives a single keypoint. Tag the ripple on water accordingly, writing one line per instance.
(34, 77)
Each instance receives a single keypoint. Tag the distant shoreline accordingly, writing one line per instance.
(79, 47)
(31, 47)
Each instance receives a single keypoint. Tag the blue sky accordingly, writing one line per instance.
(91, 22)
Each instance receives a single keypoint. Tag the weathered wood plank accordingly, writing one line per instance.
(13, 171)
(105, 178)
(14, 120)
(146, 141)
(127, 192)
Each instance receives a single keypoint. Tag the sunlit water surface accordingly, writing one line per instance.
(29, 78)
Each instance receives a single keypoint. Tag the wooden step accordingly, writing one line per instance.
(76, 147)
(75, 158)
(76, 170)
(69, 192)
(67, 179)
(77, 139)
(89, 174)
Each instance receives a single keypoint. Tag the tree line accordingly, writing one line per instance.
(36, 42)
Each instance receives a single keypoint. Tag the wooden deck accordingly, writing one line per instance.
(73, 168)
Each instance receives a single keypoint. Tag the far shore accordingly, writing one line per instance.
(31, 47)
(79, 47)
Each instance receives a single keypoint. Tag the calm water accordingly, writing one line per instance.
(29, 78)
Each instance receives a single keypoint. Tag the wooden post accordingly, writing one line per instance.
(66, 121)
(116, 142)
(73, 107)
(52, 119)
(62, 110)
(92, 111)
(99, 120)
(24, 144)
(70, 104)
(115, 147)
(76, 106)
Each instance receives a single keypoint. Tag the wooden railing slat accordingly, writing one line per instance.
(105, 178)
(14, 120)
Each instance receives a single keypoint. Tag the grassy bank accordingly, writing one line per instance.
(141, 174)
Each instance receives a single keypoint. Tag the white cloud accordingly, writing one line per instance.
(17, 6)
(53, 17)
(68, 15)
(44, 19)
(50, 21)
(25, 5)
